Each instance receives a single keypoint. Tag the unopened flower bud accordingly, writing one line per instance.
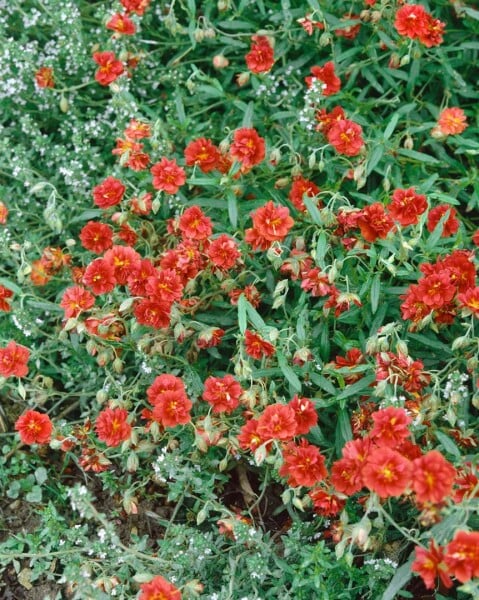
(210, 33)
(117, 365)
(243, 78)
(220, 61)
(325, 39)
(101, 396)
(376, 16)
(132, 462)
(64, 106)
(199, 35)
(281, 183)
(405, 60)
(408, 143)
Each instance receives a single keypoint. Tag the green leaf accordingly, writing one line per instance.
(10, 285)
(242, 322)
(375, 292)
(248, 115)
(323, 383)
(401, 577)
(41, 475)
(232, 209)
(35, 495)
(447, 443)
(355, 388)
(288, 372)
(180, 109)
(419, 156)
(471, 12)
(391, 126)
(375, 157)
(343, 430)
(313, 210)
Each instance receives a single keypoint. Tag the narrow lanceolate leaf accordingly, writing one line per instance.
(375, 292)
(242, 321)
(288, 372)
(313, 210)
(233, 209)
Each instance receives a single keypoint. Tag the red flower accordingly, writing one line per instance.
(202, 152)
(158, 588)
(111, 426)
(303, 464)
(414, 307)
(96, 237)
(256, 346)
(462, 555)
(75, 300)
(325, 74)
(13, 360)
(125, 262)
(121, 24)
(137, 130)
(346, 137)
(431, 33)
(326, 120)
(168, 176)
(346, 476)
(410, 20)
(100, 276)
(277, 422)
(110, 68)
(249, 438)
(401, 370)
(251, 294)
(452, 121)
(301, 187)
(430, 564)
(450, 226)
(352, 358)
(260, 58)
(108, 193)
(5, 293)
(138, 279)
(153, 313)
(136, 6)
(142, 205)
(387, 472)
(469, 301)
(272, 222)
(407, 206)
(436, 290)
(326, 504)
(223, 252)
(374, 222)
(305, 414)
(164, 383)
(164, 286)
(210, 337)
(351, 31)
(194, 224)
(34, 427)
(248, 147)
(3, 213)
(316, 282)
(127, 234)
(223, 393)
(433, 477)
(44, 77)
(390, 426)
(172, 409)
